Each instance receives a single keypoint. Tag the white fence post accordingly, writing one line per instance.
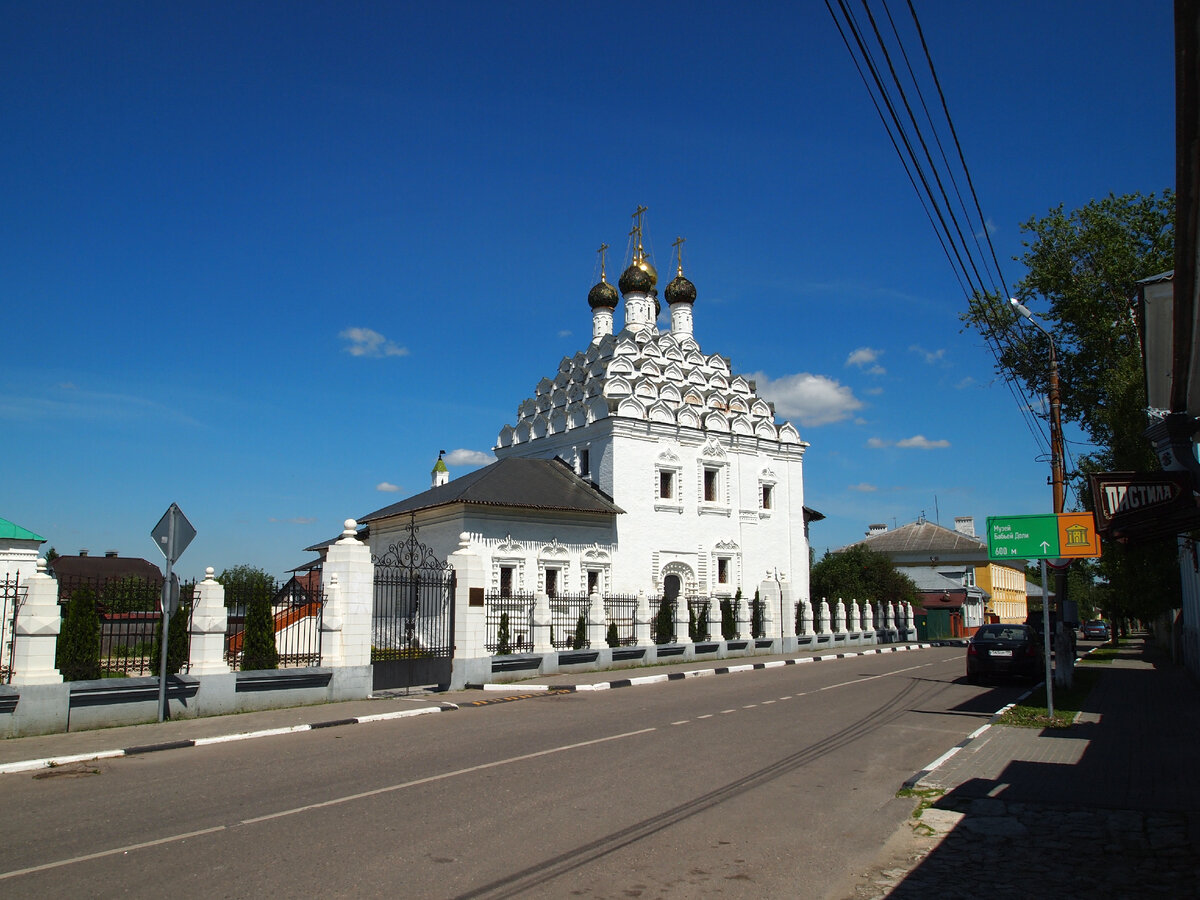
(470, 616)
(36, 637)
(641, 620)
(210, 619)
(543, 623)
(597, 622)
(348, 565)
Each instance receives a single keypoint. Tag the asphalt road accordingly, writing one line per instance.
(775, 783)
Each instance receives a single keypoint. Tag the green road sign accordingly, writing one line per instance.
(1065, 536)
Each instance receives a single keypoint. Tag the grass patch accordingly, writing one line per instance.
(1103, 654)
(1033, 713)
(926, 797)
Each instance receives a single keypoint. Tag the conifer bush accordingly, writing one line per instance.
(728, 620)
(579, 641)
(757, 617)
(664, 624)
(177, 640)
(702, 623)
(77, 654)
(611, 637)
(258, 638)
(503, 637)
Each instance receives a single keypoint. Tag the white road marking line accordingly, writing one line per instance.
(103, 853)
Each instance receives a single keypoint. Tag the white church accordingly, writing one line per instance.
(642, 464)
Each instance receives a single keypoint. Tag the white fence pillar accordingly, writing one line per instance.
(543, 622)
(641, 620)
(470, 607)
(839, 617)
(351, 604)
(36, 637)
(597, 622)
(209, 621)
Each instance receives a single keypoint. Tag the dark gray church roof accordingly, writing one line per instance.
(513, 482)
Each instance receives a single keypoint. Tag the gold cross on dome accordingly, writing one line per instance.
(678, 245)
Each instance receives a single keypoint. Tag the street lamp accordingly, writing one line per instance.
(1056, 481)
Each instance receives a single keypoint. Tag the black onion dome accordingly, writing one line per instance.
(602, 295)
(636, 279)
(680, 290)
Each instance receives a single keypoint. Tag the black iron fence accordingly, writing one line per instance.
(129, 613)
(289, 624)
(699, 618)
(509, 622)
(567, 613)
(12, 596)
(620, 610)
(662, 621)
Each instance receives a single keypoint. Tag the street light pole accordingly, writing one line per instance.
(1065, 657)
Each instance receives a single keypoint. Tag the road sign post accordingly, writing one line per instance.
(171, 535)
(1057, 536)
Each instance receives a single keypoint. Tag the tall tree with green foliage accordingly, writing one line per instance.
(859, 573)
(664, 622)
(77, 654)
(244, 583)
(1083, 268)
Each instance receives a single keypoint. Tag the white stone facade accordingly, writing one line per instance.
(712, 489)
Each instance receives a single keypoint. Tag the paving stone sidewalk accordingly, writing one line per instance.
(1109, 807)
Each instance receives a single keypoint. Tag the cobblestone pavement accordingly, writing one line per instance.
(1109, 807)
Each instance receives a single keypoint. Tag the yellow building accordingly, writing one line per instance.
(1006, 586)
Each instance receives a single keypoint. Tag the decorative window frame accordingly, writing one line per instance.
(731, 554)
(712, 457)
(553, 556)
(767, 482)
(509, 554)
(596, 559)
(668, 462)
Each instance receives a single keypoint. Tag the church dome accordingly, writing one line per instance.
(680, 290)
(602, 295)
(639, 277)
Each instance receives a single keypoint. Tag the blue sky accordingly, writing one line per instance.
(265, 259)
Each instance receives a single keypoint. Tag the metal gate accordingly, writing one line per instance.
(412, 629)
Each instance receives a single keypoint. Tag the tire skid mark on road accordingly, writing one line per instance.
(542, 873)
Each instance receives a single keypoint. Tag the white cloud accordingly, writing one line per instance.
(864, 488)
(920, 442)
(365, 342)
(864, 357)
(811, 399)
(565, 333)
(469, 458)
(916, 442)
(873, 392)
(966, 383)
(387, 487)
(930, 356)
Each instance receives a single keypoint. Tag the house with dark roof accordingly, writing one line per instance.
(531, 519)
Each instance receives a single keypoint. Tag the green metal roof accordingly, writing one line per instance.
(11, 531)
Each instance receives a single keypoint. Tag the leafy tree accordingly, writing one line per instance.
(244, 583)
(77, 654)
(1085, 266)
(862, 574)
(51, 556)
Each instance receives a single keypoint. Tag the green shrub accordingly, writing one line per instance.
(580, 640)
(702, 623)
(757, 617)
(130, 594)
(728, 620)
(664, 623)
(77, 654)
(693, 631)
(503, 637)
(258, 637)
(178, 642)
(611, 637)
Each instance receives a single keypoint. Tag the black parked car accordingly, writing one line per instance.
(1004, 650)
